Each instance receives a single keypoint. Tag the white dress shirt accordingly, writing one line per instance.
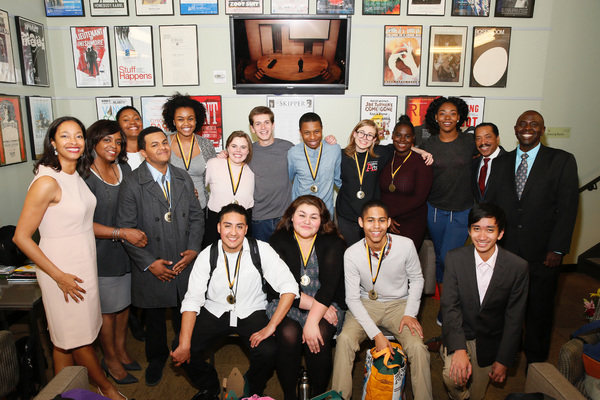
(489, 170)
(484, 271)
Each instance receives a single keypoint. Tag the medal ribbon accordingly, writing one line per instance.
(237, 269)
(398, 169)
(234, 186)
(316, 170)
(361, 173)
(166, 188)
(186, 161)
(305, 258)
(378, 262)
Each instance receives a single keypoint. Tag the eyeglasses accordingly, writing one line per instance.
(363, 134)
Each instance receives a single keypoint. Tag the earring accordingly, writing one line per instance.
(94, 154)
(55, 152)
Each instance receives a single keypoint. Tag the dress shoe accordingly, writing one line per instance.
(154, 373)
(205, 395)
(134, 366)
(124, 381)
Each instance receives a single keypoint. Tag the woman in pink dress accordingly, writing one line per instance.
(61, 205)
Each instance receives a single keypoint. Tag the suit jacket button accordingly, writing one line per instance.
(157, 239)
(519, 226)
(157, 219)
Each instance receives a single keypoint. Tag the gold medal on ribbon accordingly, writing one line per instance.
(234, 186)
(315, 171)
(304, 280)
(373, 294)
(168, 217)
(186, 161)
(392, 187)
(234, 202)
(314, 188)
(166, 188)
(360, 194)
(231, 299)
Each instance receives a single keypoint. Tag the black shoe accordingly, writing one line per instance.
(154, 373)
(124, 381)
(136, 328)
(134, 366)
(205, 395)
(434, 344)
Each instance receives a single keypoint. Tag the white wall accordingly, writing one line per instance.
(552, 68)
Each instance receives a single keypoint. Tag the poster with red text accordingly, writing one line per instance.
(416, 108)
(91, 56)
(135, 60)
(475, 117)
(382, 111)
(213, 123)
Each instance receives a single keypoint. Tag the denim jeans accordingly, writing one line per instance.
(262, 230)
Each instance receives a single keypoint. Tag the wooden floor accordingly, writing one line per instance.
(569, 310)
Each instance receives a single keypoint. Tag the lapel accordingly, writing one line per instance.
(511, 158)
(177, 185)
(150, 186)
(471, 273)
(496, 278)
(538, 168)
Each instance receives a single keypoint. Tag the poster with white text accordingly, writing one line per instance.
(382, 111)
(101, 8)
(475, 117)
(91, 56)
(213, 122)
(7, 60)
(152, 111)
(179, 55)
(135, 60)
(489, 62)
(32, 46)
(402, 55)
(288, 110)
(108, 107)
(243, 6)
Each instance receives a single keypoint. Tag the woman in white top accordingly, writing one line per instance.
(130, 122)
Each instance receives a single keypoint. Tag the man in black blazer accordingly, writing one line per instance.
(483, 306)
(487, 141)
(537, 186)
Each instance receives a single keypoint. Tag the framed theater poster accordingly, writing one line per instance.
(489, 63)
(135, 59)
(152, 111)
(426, 7)
(108, 107)
(402, 55)
(514, 8)
(213, 123)
(382, 111)
(289, 7)
(91, 56)
(476, 106)
(7, 60)
(64, 8)
(243, 7)
(379, 7)
(39, 116)
(470, 8)
(447, 45)
(198, 7)
(154, 7)
(12, 142)
(179, 55)
(32, 52)
(335, 7)
(107, 8)
(416, 109)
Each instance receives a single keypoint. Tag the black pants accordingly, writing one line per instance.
(209, 328)
(289, 358)
(157, 349)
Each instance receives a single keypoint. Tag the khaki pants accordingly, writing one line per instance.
(477, 384)
(386, 315)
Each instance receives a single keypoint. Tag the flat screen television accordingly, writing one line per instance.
(290, 54)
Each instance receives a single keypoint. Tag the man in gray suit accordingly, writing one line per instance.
(483, 307)
(159, 199)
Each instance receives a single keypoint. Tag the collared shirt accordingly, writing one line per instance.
(484, 271)
(157, 175)
(530, 160)
(489, 170)
(327, 175)
(250, 297)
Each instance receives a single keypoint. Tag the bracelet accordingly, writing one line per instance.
(115, 234)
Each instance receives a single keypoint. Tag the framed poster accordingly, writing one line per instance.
(198, 7)
(107, 8)
(381, 7)
(416, 108)
(108, 107)
(514, 8)
(426, 7)
(475, 116)
(289, 6)
(32, 51)
(402, 55)
(335, 6)
(243, 7)
(12, 142)
(64, 8)
(447, 45)
(154, 7)
(152, 107)
(470, 8)
(179, 55)
(287, 111)
(39, 116)
(489, 62)
(382, 111)
(135, 59)
(213, 123)
(7, 60)
(91, 56)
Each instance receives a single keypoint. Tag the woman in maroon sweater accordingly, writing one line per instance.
(405, 183)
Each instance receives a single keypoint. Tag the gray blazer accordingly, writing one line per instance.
(142, 205)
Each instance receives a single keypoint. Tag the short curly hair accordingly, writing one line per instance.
(461, 107)
(179, 100)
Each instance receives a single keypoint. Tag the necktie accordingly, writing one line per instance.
(521, 175)
(483, 174)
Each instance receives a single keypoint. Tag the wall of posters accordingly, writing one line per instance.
(416, 108)
(447, 45)
(381, 7)
(91, 56)
(335, 6)
(32, 51)
(7, 60)
(64, 8)
(288, 110)
(135, 59)
(154, 7)
(179, 55)
(12, 143)
(471, 8)
(489, 63)
(152, 111)
(289, 6)
(100, 8)
(426, 7)
(382, 111)
(514, 8)
(194, 7)
(39, 115)
(243, 6)
(475, 117)
(108, 107)
(402, 55)
(213, 124)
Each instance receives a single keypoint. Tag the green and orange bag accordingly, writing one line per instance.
(385, 375)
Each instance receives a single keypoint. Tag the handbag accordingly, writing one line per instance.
(385, 374)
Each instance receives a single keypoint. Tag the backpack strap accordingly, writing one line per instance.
(254, 254)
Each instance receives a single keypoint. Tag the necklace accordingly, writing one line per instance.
(112, 167)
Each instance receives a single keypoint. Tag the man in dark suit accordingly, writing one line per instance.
(483, 306)
(159, 199)
(537, 186)
(487, 140)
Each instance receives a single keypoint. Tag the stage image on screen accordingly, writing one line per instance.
(286, 53)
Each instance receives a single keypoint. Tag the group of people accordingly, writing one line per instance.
(166, 222)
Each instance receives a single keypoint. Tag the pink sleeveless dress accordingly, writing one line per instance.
(67, 239)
